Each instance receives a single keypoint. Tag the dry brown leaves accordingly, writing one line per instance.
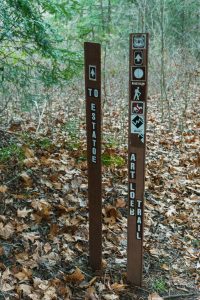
(44, 216)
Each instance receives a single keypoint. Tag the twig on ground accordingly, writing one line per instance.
(179, 296)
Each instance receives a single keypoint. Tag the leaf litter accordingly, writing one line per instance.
(44, 214)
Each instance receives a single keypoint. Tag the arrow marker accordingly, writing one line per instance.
(92, 72)
(138, 58)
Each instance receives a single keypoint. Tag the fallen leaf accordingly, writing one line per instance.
(154, 252)
(165, 267)
(34, 296)
(120, 203)
(23, 213)
(111, 212)
(30, 162)
(47, 247)
(100, 286)
(21, 227)
(5, 287)
(1, 251)
(110, 220)
(117, 287)
(32, 236)
(91, 294)
(110, 297)
(171, 210)
(54, 230)
(50, 293)
(26, 179)
(3, 188)
(154, 296)
(6, 231)
(25, 288)
(15, 126)
(62, 288)
(75, 277)
(25, 274)
(28, 152)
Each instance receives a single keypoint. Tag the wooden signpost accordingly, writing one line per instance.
(93, 124)
(136, 152)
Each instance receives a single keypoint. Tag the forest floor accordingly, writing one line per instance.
(44, 212)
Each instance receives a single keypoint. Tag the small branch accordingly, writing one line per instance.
(197, 192)
(40, 114)
(179, 296)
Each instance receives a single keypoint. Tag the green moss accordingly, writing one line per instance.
(73, 145)
(72, 128)
(11, 151)
(196, 243)
(81, 158)
(160, 285)
(44, 143)
(110, 142)
(112, 160)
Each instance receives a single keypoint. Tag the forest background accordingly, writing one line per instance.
(41, 53)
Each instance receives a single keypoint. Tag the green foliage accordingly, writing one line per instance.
(81, 158)
(110, 142)
(112, 160)
(160, 285)
(34, 51)
(12, 151)
(41, 41)
(196, 243)
(73, 145)
(44, 143)
(72, 129)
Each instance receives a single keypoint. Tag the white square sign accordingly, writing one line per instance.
(92, 72)
(139, 41)
(137, 124)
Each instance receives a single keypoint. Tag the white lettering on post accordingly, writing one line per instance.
(96, 93)
(139, 220)
(90, 92)
(93, 93)
(94, 133)
(132, 199)
(132, 171)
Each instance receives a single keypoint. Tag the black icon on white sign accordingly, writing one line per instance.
(137, 124)
(92, 73)
(138, 121)
(139, 41)
(138, 73)
(138, 58)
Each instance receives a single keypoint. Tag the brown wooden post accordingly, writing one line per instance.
(93, 127)
(136, 152)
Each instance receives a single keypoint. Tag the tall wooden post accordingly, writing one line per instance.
(93, 127)
(136, 152)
